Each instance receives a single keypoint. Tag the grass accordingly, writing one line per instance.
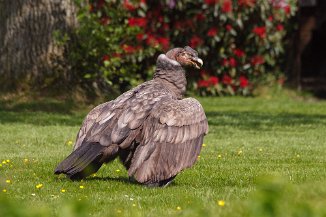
(263, 157)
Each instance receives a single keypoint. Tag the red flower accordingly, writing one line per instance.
(257, 60)
(211, 2)
(227, 6)
(287, 9)
(104, 20)
(105, 58)
(212, 32)
(164, 42)
(270, 18)
(128, 6)
(280, 27)
(200, 17)
(243, 81)
(249, 3)
(129, 49)
(232, 62)
(195, 41)
(140, 37)
(228, 27)
(225, 62)
(238, 52)
(213, 80)
(151, 40)
(203, 83)
(226, 79)
(260, 31)
(134, 21)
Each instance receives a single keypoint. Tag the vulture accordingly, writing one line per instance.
(152, 129)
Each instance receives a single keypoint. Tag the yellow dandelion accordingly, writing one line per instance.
(260, 149)
(0, 165)
(298, 155)
(39, 186)
(133, 205)
(198, 157)
(204, 145)
(178, 208)
(81, 187)
(94, 175)
(240, 152)
(25, 160)
(219, 156)
(63, 190)
(119, 211)
(4, 162)
(221, 202)
(69, 143)
(117, 170)
(4, 190)
(8, 161)
(8, 181)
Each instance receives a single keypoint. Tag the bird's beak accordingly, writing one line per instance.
(198, 63)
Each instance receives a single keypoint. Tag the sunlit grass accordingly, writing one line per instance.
(249, 138)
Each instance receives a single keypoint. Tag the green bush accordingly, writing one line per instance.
(241, 42)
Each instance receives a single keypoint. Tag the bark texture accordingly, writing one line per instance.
(30, 56)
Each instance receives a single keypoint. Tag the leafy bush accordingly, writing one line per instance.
(241, 42)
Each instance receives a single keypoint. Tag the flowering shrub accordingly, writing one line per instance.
(240, 41)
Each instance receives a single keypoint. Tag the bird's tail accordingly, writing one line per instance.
(82, 162)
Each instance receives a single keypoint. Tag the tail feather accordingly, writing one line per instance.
(82, 162)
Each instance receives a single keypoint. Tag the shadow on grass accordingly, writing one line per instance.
(259, 120)
(55, 112)
(46, 112)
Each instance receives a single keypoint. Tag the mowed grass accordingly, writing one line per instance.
(282, 141)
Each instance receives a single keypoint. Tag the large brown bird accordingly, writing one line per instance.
(154, 131)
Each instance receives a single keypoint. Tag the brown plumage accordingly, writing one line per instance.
(154, 131)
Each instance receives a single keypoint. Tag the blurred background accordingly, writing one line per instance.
(100, 48)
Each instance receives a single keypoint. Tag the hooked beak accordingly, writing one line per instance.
(197, 62)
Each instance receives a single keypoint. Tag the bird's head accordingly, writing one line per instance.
(186, 57)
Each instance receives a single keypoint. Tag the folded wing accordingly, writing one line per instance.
(171, 140)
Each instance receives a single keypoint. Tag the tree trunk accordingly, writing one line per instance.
(30, 54)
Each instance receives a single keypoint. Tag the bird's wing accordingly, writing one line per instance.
(171, 140)
(89, 122)
(114, 122)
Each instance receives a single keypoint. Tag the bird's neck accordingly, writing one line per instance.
(172, 74)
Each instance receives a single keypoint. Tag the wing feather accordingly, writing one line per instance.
(172, 137)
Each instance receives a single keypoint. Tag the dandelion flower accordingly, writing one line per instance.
(4, 190)
(260, 149)
(69, 143)
(63, 190)
(178, 208)
(240, 152)
(133, 205)
(81, 187)
(8, 161)
(39, 186)
(117, 170)
(8, 181)
(25, 160)
(4, 162)
(119, 211)
(221, 202)
(298, 155)
(0, 165)
(204, 145)
(198, 157)
(94, 175)
(219, 156)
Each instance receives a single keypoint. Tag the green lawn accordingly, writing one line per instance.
(262, 157)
